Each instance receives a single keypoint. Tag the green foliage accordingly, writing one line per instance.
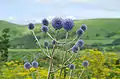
(4, 44)
(101, 66)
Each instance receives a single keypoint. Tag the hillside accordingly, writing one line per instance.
(99, 31)
(15, 30)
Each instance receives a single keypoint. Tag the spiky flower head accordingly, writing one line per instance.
(84, 27)
(35, 64)
(71, 66)
(74, 49)
(79, 32)
(85, 63)
(44, 29)
(27, 65)
(53, 42)
(46, 44)
(31, 26)
(80, 43)
(45, 22)
(68, 24)
(57, 23)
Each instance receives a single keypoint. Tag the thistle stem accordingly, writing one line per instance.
(65, 46)
(50, 36)
(64, 54)
(68, 59)
(54, 39)
(81, 73)
(48, 51)
(39, 44)
(75, 57)
(72, 40)
(51, 62)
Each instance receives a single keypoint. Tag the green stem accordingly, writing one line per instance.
(54, 39)
(51, 63)
(68, 59)
(48, 51)
(58, 69)
(81, 73)
(64, 54)
(74, 58)
(72, 40)
(50, 36)
(39, 44)
(65, 46)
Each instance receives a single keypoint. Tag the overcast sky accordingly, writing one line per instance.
(24, 11)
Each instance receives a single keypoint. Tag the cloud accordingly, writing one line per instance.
(71, 17)
(11, 18)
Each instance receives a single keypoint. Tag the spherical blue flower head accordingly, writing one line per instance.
(35, 64)
(68, 24)
(27, 65)
(31, 26)
(53, 42)
(57, 23)
(85, 63)
(79, 32)
(80, 43)
(84, 27)
(71, 66)
(45, 22)
(44, 29)
(75, 49)
(46, 44)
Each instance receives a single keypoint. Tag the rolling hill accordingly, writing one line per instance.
(15, 29)
(99, 30)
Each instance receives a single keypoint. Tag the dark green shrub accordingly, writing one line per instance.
(4, 44)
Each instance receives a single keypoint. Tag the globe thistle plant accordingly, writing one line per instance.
(57, 23)
(68, 24)
(27, 65)
(44, 29)
(79, 32)
(80, 43)
(35, 64)
(31, 26)
(85, 63)
(45, 22)
(74, 49)
(84, 27)
(71, 66)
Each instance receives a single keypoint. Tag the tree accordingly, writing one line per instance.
(4, 44)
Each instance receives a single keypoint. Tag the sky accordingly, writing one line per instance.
(25, 11)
